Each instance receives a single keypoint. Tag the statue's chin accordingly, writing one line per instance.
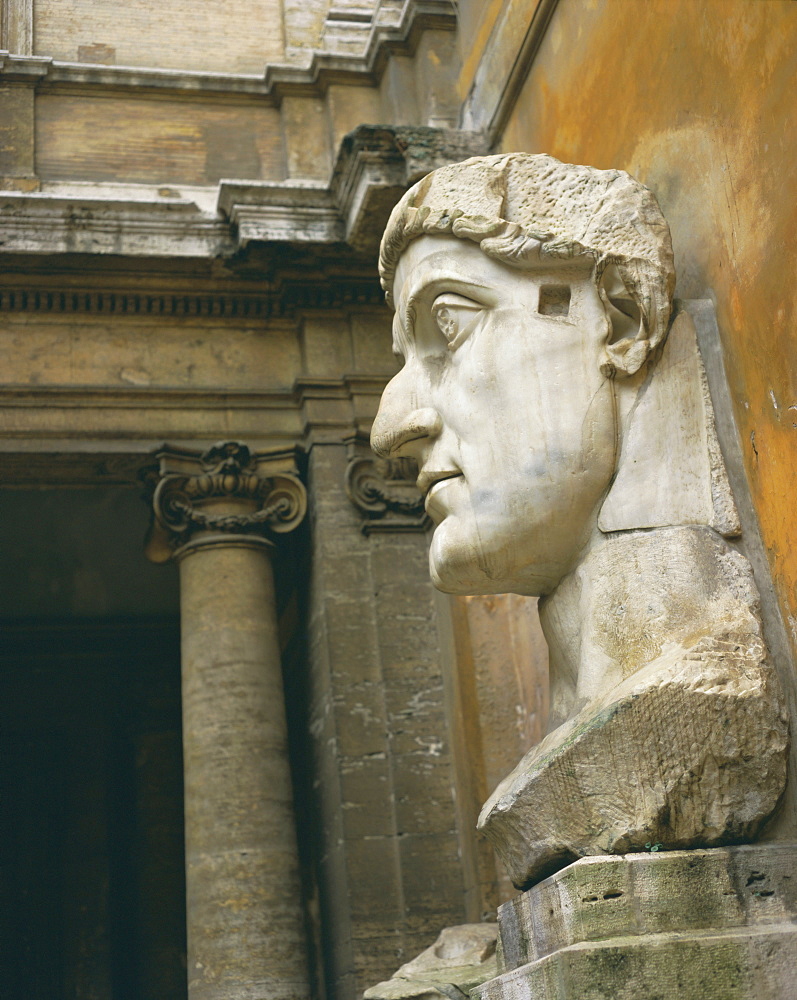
(454, 562)
(459, 566)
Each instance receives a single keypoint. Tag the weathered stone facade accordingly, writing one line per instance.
(191, 201)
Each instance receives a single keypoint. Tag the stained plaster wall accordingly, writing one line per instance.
(696, 100)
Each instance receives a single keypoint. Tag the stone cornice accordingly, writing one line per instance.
(277, 81)
(375, 164)
(47, 223)
(283, 212)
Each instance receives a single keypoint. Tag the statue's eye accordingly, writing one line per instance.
(455, 316)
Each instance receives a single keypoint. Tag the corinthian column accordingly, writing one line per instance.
(214, 513)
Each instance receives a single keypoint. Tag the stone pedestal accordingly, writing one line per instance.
(678, 925)
(245, 922)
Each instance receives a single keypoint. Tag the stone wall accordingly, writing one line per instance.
(388, 867)
(213, 36)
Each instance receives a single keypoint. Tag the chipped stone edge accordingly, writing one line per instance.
(704, 316)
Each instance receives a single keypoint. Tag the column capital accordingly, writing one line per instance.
(225, 494)
(383, 490)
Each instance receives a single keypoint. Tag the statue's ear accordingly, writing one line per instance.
(627, 346)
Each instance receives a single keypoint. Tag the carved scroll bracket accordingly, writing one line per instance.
(223, 493)
(384, 491)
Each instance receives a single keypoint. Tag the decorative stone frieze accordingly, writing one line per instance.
(193, 493)
(280, 300)
(384, 492)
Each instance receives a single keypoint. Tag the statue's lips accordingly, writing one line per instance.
(432, 483)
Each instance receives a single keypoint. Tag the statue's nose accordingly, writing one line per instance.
(397, 427)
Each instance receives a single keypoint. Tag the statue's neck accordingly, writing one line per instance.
(633, 596)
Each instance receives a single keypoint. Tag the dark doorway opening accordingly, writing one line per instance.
(92, 884)
(91, 816)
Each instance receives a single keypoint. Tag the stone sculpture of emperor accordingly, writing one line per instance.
(565, 442)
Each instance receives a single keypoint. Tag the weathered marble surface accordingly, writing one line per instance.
(566, 449)
(688, 749)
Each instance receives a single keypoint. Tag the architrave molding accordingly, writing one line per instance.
(92, 436)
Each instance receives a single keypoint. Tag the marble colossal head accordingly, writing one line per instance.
(558, 412)
(529, 295)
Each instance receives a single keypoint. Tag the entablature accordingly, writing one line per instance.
(93, 436)
(342, 218)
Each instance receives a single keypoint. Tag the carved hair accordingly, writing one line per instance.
(524, 208)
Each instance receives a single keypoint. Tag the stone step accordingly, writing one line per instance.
(753, 963)
(651, 893)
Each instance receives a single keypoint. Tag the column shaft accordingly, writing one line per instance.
(246, 936)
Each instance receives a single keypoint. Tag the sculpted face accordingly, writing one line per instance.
(502, 402)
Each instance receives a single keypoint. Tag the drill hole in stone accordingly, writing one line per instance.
(554, 300)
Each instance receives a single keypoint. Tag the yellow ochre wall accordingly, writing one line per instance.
(698, 100)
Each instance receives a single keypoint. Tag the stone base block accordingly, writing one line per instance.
(679, 925)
